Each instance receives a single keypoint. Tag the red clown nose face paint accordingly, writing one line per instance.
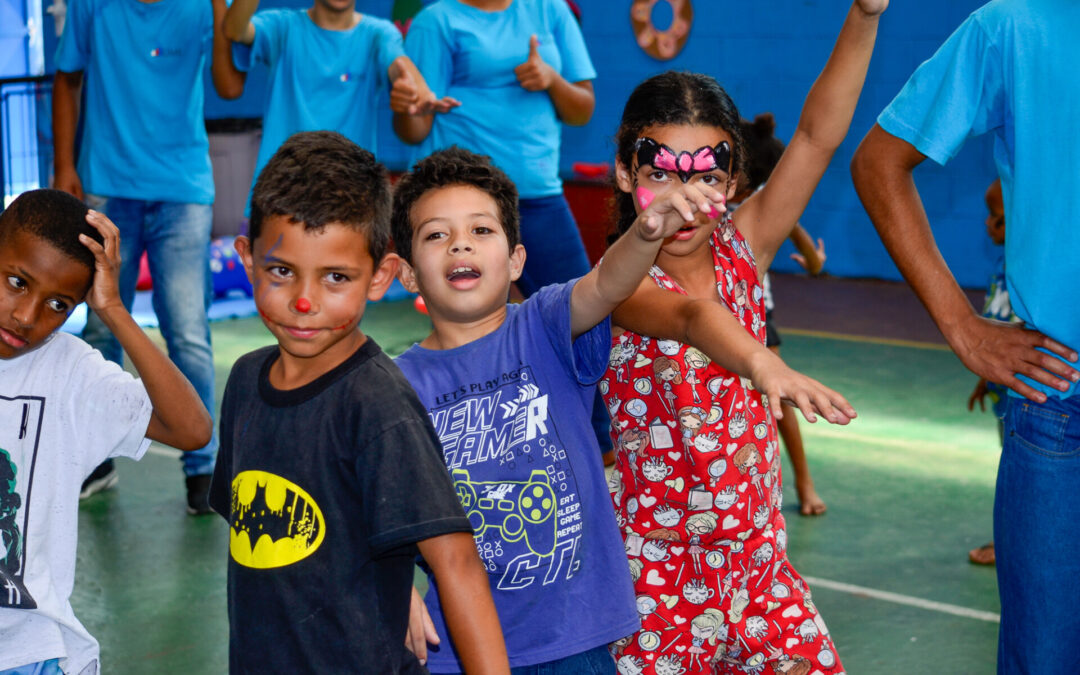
(303, 305)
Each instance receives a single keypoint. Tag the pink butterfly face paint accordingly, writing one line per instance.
(685, 164)
(645, 197)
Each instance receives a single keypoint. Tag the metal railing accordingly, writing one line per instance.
(26, 142)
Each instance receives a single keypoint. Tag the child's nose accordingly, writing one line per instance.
(25, 312)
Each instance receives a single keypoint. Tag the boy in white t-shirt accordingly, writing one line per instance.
(63, 410)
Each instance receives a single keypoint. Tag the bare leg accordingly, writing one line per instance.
(810, 504)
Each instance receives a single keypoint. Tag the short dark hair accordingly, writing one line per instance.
(447, 168)
(763, 149)
(56, 217)
(320, 177)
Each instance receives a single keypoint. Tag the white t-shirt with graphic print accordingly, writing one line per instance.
(63, 410)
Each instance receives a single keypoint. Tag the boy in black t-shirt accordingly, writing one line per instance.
(329, 472)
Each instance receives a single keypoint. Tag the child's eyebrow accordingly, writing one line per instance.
(446, 219)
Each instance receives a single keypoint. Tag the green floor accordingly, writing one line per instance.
(909, 487)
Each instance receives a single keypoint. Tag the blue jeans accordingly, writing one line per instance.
(554, 253)
(1036, 514)
(176, 238)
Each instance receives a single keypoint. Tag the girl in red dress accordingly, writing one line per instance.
(720, 593)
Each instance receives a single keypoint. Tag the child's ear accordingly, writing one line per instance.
(243, 249)
(407, 276)
(383, 276)
(622, 177)
(517, 262)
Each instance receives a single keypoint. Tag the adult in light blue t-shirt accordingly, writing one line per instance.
(328, 65)
(144, 161)
(1009, 70)
(519, 68)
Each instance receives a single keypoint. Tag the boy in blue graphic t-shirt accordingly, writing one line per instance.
(328, 63)
(508, 388)
(144, 162)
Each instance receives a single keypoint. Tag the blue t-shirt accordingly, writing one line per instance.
(471, 54)
(319, 78)
(1011, 69)
(512, 411)
(144, 135)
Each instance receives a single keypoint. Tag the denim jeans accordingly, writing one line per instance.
(176, 238)
(1036, 542)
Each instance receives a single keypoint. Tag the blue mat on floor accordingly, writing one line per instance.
(229, 307)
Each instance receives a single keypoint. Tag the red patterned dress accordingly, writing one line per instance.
(697, 494)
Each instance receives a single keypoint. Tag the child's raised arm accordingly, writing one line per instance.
(628, 260)
(466, 602)
(237, 24)
(179, 418)
(767, 217)
(710, 327)
(228, 79)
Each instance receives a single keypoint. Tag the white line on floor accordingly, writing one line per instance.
(899, 599)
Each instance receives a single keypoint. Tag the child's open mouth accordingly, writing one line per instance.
(684, 233)
(462, 275)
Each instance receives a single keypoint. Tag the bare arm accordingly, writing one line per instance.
(710, 326)
(179, 418)
(237, 24)
(628, 260)
(412, 101)
(228, 79)
(882, 172)
(811, 256)
(466, 602)
(574, 101)
(767, 217)
(67, 91)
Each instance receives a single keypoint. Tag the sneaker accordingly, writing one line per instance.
(104, 477)
(198, 494)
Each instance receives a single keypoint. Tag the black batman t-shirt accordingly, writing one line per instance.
(326, 489)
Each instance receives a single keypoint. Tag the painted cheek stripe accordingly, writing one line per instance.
(645, 197)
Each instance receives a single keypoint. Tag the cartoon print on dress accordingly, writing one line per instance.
(695, 360)
(667, 373)
(18, 453)
(740, 573)
(691, 418)
(510, 470)
(633, 442)
(705, 627)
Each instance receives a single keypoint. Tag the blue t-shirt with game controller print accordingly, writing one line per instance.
(512, 412)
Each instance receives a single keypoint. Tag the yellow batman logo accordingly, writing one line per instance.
(282, 519)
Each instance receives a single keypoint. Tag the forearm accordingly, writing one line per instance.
(465, 596)
(413, 129)
(237, 23)
(228, 79)
(574, 101)
(67, 89)
(829, 106)
(179, 418)
(804, 244)
(882, 174)
(613, 280)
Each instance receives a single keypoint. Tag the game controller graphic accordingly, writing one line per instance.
(518, 509)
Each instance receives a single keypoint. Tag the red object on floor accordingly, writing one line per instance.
(144, 282)
(420, 305)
